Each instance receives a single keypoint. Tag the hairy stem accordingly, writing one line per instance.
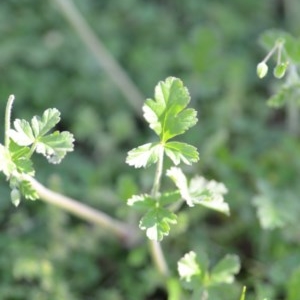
(155, 247)
(116, 73)
(9, 104)
(123, 231)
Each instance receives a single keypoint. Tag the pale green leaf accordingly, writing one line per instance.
(141, 201)
(22, 134)
(225, 269)
(200, 191)
(167, 114)
(43, 125)
(188, 266)
(157, 222)
(7, 166)
(55, 146)
(178, 152)
(144, 156)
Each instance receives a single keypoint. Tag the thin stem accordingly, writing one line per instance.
(8, 109)
(122, 230)
(155, 247)
(159, 258)
(158, 173)
(116, 73)
(271, 52)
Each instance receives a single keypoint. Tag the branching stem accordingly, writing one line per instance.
(123, 231)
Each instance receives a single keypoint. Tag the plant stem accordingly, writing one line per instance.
(158, 173)
(155, 247)
(9, 104)
(123, 231)
(116, 73)
(159, 258)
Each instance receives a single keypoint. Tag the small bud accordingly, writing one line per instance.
(15, 197)
(280, 69)
(262, 69)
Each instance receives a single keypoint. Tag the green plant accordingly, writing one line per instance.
(168, 116)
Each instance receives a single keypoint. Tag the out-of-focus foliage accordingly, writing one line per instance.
(212, 46)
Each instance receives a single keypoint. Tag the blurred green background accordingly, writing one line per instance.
(212, 46)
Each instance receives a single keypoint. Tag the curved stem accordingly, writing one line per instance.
(8, 109)
(123, 231)
(116, 73)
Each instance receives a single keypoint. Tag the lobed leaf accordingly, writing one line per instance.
(157, 222)
(20, 157)
(225, 269)
(167, 114)
(178, 152)
(55, 146)
(141, 201)
(22, 134)
(200, 191)
(188, 266)
(144, 156)
(41, 126)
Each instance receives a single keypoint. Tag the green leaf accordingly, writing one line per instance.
(144, 156)
(270, 37)
(169, 198)
(200, 191)
(284, 94)
(55, 146)
(22, 134)
(7, 166)
(224, 270)
(178, 152)
(19, 155)
(27, 190)
(167, 113)
(188, 266)
(43, 125)
(157, 222)
(141, 201)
